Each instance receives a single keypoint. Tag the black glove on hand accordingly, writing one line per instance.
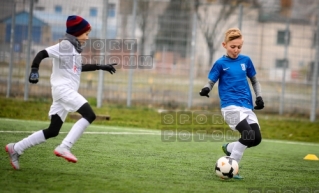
(259, 103)
(34, 76)
(107, 67)
(204, 92)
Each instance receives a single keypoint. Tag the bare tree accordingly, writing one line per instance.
(145, 15)
(125, 10)
(210, 30)
(174, 27)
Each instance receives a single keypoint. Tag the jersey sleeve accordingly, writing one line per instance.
(64, 48)
(250, 69)
(38, 58)
(215, 72)
(53, 51)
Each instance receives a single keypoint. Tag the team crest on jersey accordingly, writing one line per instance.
(243, 67)
(76, 69)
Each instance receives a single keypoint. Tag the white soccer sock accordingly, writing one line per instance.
(238, 151)
(32, 140)
(230, 146)
(75, 133)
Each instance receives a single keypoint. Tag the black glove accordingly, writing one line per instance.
(259, 103)
(34, 76)
(107, 67)
(204, 92)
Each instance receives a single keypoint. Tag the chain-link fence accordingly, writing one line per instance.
(177, 40)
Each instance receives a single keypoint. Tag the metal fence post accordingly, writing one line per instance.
(99, 98)
(192, 64)
(283, 83)
(27, 66)
(315, 76)
(13, 19)
(130, 79)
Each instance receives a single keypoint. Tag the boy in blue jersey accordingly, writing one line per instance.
(232, 70)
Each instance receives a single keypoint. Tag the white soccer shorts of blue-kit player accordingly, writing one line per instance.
(234, 114)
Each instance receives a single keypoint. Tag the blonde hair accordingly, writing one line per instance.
(231, 34)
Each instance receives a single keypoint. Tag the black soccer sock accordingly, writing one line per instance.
(258, 138)
(87, 112)
(247, 133)
(54, 127)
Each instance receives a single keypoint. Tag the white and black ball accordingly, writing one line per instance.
(226, 167)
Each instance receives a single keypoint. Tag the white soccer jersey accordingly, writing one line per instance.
(66, 68)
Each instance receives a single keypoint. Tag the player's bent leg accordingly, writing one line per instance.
(63, 150)
(54, 127)
(52, 131)
(13, 155)
(16, 149)
(257, 138)
(87, 112)
(224, 148)
(246, 139)
(246, 132)
(237, 154)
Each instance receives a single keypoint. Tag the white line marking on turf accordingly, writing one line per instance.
(290, 142)
(158, 134)
(92, 132)
(135, 131)
(91, 126)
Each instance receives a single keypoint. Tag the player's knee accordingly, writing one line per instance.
(87, 112)
(257, 141)
(248, 137)
(49, 133)
(90, 117)
(257, 134)
(54, 128)
(246, 141)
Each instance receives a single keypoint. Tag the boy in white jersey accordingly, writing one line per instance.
(65, 79)
(236, 102)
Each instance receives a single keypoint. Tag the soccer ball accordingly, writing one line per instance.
(226, 167)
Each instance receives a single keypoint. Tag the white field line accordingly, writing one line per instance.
(92, 132)
(290, 142)
(159, 133)
(91, 126)
(134, 131)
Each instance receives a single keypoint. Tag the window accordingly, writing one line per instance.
(280, 63)
(93, 12)
(58, 9)
(111, 10)
(281, 37)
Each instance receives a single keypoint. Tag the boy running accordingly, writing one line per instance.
(65, 80)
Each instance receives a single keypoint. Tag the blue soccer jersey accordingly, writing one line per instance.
(232, 75)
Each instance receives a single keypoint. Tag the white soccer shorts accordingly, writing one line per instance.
(70, 102)
(234, 115)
